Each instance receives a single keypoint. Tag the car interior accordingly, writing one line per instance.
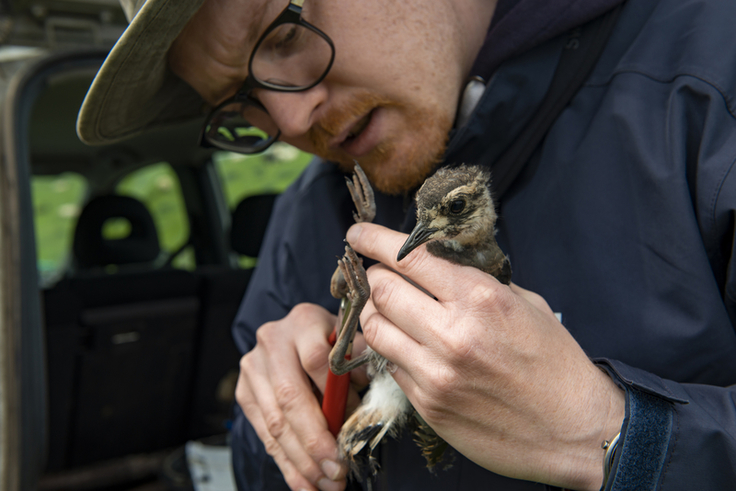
(143, 250)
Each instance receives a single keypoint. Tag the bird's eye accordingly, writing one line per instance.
(457, 206)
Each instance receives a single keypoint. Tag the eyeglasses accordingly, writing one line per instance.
(291, 56)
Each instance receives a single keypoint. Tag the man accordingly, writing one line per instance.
(623, 221)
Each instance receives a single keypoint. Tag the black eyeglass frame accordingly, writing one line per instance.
(292, 14)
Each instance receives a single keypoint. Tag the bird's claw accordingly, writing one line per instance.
(364, 200)
(350, 280)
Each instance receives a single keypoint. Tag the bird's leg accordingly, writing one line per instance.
(385, 408)
(349, 280)
(358, 292)
(365, 203)
(362, 194)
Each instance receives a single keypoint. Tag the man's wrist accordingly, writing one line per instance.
(611, 424)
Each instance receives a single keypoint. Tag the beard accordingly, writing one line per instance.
(400, 162)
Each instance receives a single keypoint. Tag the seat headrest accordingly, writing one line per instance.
(91, 249)
(249, 222)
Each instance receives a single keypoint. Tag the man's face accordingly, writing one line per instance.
(390, 98)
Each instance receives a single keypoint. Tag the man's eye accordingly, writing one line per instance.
(288, 37)
(283, 40)
(457, 206)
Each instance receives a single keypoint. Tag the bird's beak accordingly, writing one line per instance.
(421, 234)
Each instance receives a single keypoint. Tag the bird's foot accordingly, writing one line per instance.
(362, 194)
(384, 411)
(357, 290)
(365, 204)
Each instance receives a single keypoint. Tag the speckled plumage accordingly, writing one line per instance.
(456, 217)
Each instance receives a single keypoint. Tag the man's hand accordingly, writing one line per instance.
(278, 389)
(489, 367)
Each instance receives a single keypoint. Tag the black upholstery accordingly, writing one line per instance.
(221, 291)
(249, 222)
(136, 357)
(120, 346)
(91, 249)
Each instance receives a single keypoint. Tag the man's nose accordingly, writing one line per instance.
(293, 112)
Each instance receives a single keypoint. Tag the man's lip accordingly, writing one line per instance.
(363, 142)
(345, 135)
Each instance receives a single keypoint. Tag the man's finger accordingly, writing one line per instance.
(387, 339)
(427, 271)
(297, 421)
(291, 474)
(403, 304)
(270, 421)
(248, 403)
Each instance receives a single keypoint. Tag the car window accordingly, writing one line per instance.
(57, 201)
(269, 172)
(157, 187)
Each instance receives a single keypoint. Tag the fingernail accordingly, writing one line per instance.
(331, 469)
(325, 484)
(354, 233)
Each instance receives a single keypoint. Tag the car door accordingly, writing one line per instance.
(47, 25)
(22, 383)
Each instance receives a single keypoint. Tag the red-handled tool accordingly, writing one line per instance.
(335, 397)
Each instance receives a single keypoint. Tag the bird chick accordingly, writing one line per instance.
(456, 217)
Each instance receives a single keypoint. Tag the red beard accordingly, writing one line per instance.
(393, 166)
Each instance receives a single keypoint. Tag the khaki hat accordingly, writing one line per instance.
(134, 89)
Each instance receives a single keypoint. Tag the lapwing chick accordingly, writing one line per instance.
(456, 218)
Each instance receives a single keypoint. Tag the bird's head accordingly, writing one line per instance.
(454, 206)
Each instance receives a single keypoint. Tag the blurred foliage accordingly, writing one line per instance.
(116, 228)
(269, 172)
(57, 202)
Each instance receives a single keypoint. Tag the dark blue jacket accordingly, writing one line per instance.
(623, 220)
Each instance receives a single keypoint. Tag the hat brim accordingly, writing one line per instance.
(134, 90)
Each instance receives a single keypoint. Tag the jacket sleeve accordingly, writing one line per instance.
(682, 436)
(674, 436)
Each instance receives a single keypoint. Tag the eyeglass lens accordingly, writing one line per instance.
(292, 56)
(241, 126)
